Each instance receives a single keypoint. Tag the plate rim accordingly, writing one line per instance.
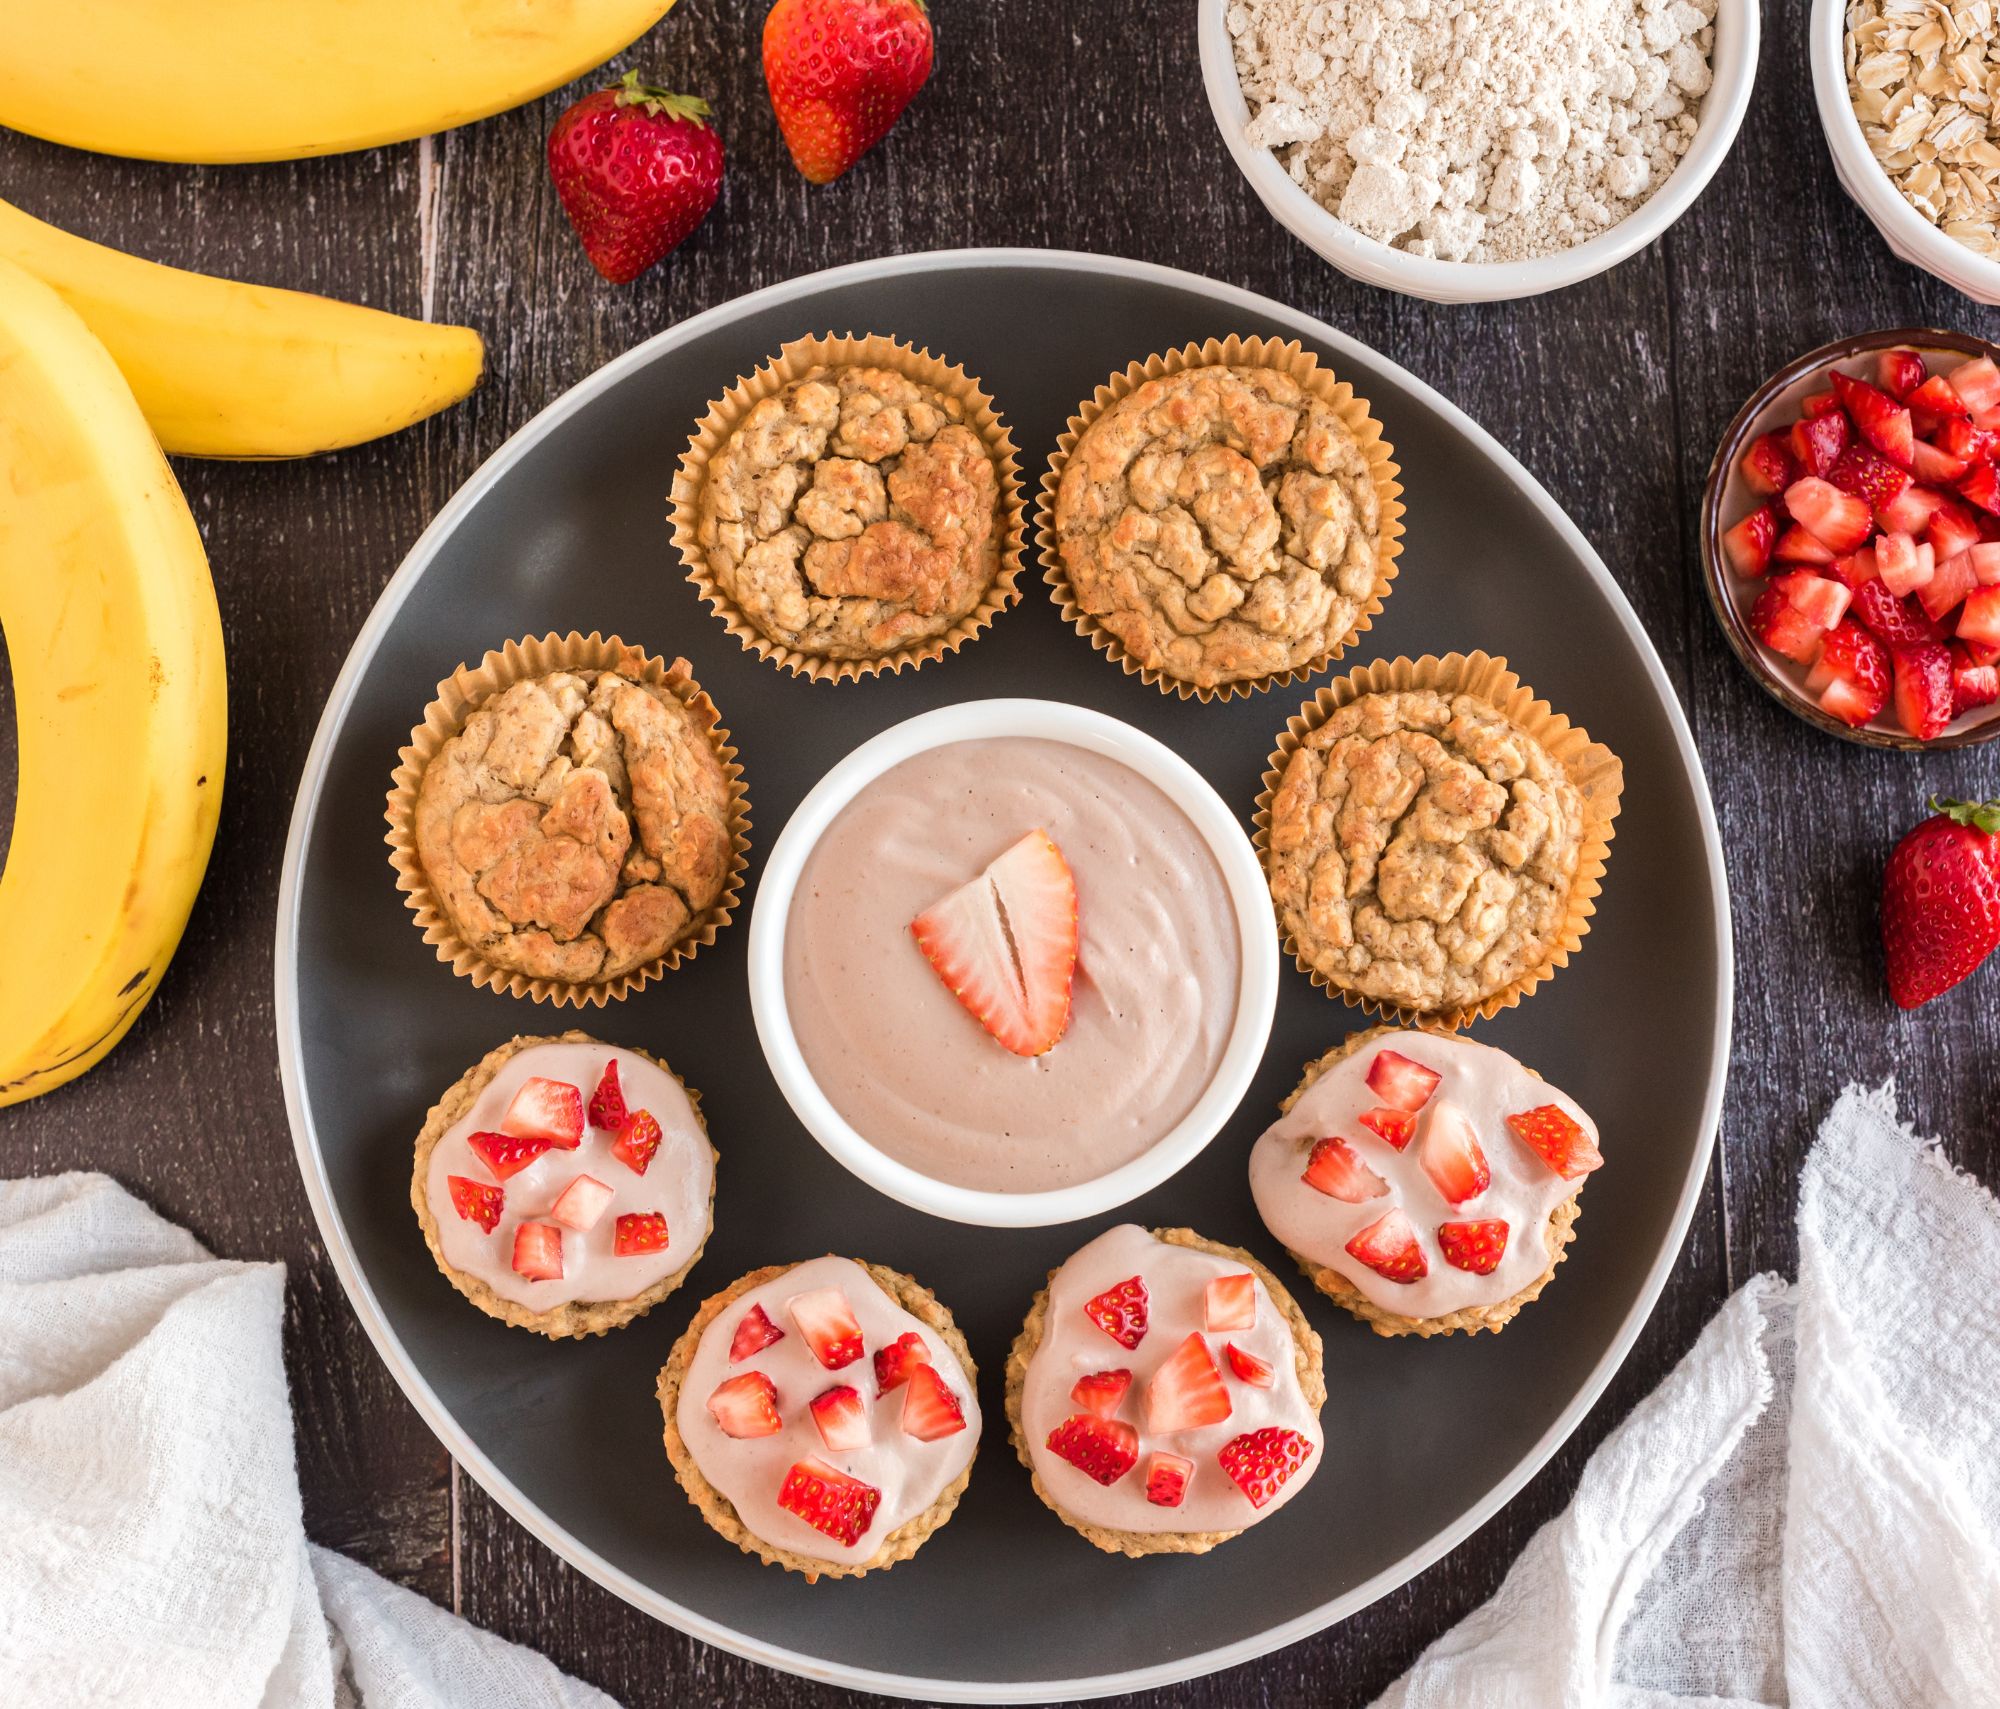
(361, 1296)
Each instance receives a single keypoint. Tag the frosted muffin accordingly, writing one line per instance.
(1165, 1392)
(822, 1416)
(1426, 1183)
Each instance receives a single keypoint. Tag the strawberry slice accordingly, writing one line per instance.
(1981, 485)
(753, 1335)
(1262, 1462)
(506, 1154)
(1818, 440)
(1980, 620)
(1841, 699)
(538, 1251)
(842, 1417)
(1474, 1246)
(831, 1502)
(1816, 404)
(1854, 569)
(1248, 1367)
(1936, 397)
(1950, 582)
(1877, 417)
(829, 1326)
(1230, 1302)
(1750, 543)
(637, 1140)
(637, 1233)
(1978, 651)
(1389, 1247)
(1167, 1478)
(476, 1201)
(607, 1103)
(1335, 1170)
(1801, 546)
(1869, 475)
(1100, 1448)
(1899, 373)
(930, 1410)
(1768, 465)
(1922, 692)
(1450, 1155)
(1399, 1082)
(1977, 384)
(1392, 1127)
(1005, 945)
(1896, 622)
(895, 1362)
(1900, 564)
(1951, 530)
(1121, 1312)
(1837, 519)
(1985, 561)
(1969, 444)
(581, 1203)
(1973, 685)
(1820, 598)
(1936, 467)
(546, 1109)
(1911, 510)
(1186, 1391)
(1558, 1139)
(1783, 627)
(1856, 665)
(746, 1406)
(1100, 1393)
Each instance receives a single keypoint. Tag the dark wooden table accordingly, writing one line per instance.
(1047, 122)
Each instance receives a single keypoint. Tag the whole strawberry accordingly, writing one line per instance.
(637, 169)
(1941, 900)
(840, 73)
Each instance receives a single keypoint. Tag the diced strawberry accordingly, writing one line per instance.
(1910, 511)
(476, 1201)
(831, 1502)
(1839, 519)
(1950, 582)
(746, 1406)
(1248, 1367)
(1922, 693)
(1392, 1127)
(1868, 475)
(1817, 441)
(1985, 561)
(1262, 1462)
(1783, 627)
(581, 1203)
(1799, 545)
(1858, 666)
(538, 1251)
(1978, 652)
(1399, 1082)
(753, 1335)
(1968, 443)
(1450, 1155)
(1982, 487)
(505, 1153)
(1335, 1170)
(607, 1103)
(1121, 1312)
(637, 1233)
(1816, 404)
(842, 1417)
(1100, 1448)
(1877, 417)
(546, 1109)
(1898, 563)
(1558, 1139)
(1980, 620)
(1750, 543)
(1854, 569)
(1167, 1478)
(1936, 397)
(1101, 1392)
(637, 1140)
(1840, 699)
(829, 1326)
(1005, 944)
(1937, 467)
(1899, 373)
(1897, 622)
(1389, 1247)
(895, 1362)
(1823, 600)
(1474, 1246)
(1977, 383)
(1230, 1302)
(930, 1410)
(1187, 1391)
(1769, 466)
(1973, 685)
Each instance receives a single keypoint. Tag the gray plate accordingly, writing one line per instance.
(563, 528)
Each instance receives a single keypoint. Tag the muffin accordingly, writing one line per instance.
(568, 821)
(1426, 1183)
(1164, 1392)
(822, 1416)
(1434, 837)
(1223, 518)
(565, 1185)
(852, 505)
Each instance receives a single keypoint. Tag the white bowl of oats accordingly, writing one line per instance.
(1892, 80)
(1478, 154)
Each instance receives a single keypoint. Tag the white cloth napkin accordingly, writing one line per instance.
(1804, 1513)
(151, 1552)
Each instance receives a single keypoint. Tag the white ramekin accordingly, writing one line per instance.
(1049, 720)
(1733, 63)
(1908, 234)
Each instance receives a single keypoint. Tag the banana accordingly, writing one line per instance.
(119, 697)
(224, 369)
(227, 80)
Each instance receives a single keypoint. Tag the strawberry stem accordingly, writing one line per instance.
(1978, 815)
(661, 103)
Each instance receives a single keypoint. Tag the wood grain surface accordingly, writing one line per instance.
(1047, 122)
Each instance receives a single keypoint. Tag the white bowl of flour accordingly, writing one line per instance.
(1477, 152)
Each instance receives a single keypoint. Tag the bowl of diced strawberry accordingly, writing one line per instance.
(1850, 535)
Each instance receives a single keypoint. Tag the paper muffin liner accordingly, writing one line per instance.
(470, 687)
(793, 362)
(1289, 357)
(1594, 769)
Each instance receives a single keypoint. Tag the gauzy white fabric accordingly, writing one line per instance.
(151, 1550)
(1804, 1513)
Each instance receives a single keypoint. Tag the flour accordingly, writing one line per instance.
(1475, 130)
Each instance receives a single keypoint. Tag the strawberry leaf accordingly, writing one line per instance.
(1977, 815)
(661, 103)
